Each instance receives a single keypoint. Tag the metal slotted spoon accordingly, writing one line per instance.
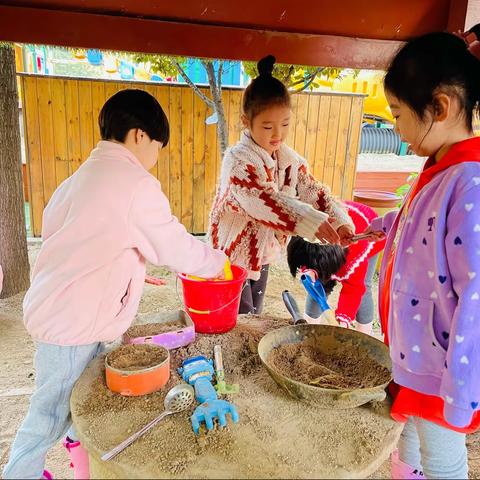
(179, 398)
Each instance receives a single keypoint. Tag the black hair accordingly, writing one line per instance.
(326, 260)
(476, 30)
(265, 90)
(431, 62)
(133, 108)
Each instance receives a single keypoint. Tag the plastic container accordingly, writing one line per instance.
(213, 305)
(380, 201)
(182, 331)
(138, 382)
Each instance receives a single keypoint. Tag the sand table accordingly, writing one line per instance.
(276, 436)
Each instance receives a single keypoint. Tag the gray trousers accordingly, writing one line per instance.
(438, 451)
(48, 418)
(253, 294)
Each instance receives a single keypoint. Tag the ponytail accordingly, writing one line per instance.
(265, 90)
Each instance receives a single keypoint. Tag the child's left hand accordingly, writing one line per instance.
(345, 233)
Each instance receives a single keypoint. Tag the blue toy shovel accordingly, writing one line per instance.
(317, 292)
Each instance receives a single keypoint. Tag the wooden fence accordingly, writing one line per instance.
(60, 118)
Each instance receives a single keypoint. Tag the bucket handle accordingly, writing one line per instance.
(208, 312)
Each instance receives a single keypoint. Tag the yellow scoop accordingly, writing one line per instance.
(227, 273)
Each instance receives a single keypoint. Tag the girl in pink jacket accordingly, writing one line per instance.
(99, 228)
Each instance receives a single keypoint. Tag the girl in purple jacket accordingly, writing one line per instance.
(430, 277)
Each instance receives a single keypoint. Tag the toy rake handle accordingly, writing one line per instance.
(122, 446)
(292, 307)
(217, 353)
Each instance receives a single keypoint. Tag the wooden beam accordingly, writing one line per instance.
(87, 30)
(457, 15)
(376, 19)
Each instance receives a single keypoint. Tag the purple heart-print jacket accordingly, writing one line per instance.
(434, 317)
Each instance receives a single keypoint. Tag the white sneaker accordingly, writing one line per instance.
(366, 328)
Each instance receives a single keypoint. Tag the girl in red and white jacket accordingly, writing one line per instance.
(353, 267)
(266, 193)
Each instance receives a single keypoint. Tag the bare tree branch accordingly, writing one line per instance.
(219, 76)
(286, 79)
(208, 65)
(192, 85)
(305, 86)
(306, 81)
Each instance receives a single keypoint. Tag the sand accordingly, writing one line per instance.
(152, 329)
(136, 357)
(348, 368)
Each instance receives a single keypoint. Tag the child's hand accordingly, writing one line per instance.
(226, 273)
(327, 234)
(155, 280)
(345, 233)
(372, 236)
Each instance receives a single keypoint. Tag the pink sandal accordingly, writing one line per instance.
(79, 460)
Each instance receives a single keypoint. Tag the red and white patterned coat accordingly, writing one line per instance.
(259, 194)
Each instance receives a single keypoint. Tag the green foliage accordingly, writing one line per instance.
(282, 71)
(404, 189)
(298, 77)
(163, 65)
(294, 76)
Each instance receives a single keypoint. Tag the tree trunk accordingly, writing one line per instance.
(216, 104)
(13, 235)
(222, 128)
(216, 89)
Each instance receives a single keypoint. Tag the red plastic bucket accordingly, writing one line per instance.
(213, 305)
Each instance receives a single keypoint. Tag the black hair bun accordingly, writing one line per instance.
(265, 66)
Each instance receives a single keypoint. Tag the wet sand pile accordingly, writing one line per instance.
(151, 329)
(347, 368)
(136, 357)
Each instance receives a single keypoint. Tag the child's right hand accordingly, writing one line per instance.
(372, 236)
(226, 273)
(327, 234)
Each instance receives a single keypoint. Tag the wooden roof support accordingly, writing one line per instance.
(351, 33)
(31, 25)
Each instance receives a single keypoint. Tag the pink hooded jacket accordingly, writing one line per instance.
(99, 228)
